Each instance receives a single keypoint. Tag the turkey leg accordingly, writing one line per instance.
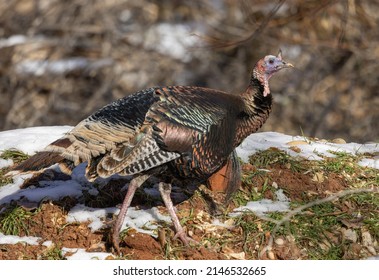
(133, 186)
(165, 190)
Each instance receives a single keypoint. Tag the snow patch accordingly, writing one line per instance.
(261, 207)
(264, 206)
(31, 140)
(7, 191)
(81, 254)
(53, 190)
(82, 213)
(61, 66)
(5, 162)
(48, 243)
(13, 41)
(144, 221)
(368, 162)
(172, 40)
(311, 150)
(13, 239)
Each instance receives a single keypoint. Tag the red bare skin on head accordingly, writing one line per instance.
(260, 73)
(266, 67)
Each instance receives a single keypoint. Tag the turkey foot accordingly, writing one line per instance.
(182, 235)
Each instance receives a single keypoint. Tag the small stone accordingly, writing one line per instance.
(98, 247)
(339, 141)
(229, 222)
(238, 256)
(271, 255)
(279, 241)
(235, 255)
(295, 149)
(291, 238)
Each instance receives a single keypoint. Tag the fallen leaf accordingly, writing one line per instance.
(318, 177)
(349, 234)
(356, 223)
(366, 239)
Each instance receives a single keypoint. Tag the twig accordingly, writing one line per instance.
(215, 42)
(299, 209)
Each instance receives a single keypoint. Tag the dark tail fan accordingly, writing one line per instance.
(39, 161)
(45, 159)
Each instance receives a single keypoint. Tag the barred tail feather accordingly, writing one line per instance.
(47, 158)
(39, 161)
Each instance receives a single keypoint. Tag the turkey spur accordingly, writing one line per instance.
(173, 132)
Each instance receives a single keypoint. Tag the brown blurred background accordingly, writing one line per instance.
(61, 60)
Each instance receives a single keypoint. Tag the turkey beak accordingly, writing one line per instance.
(286, 65)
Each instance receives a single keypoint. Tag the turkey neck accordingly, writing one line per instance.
(255, 112)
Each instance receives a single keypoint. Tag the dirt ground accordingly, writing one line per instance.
(49, 223)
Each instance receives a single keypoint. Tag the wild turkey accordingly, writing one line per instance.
(170, 132)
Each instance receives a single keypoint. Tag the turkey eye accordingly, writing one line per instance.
(271, 61)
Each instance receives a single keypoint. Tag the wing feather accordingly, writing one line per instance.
(140, 156)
